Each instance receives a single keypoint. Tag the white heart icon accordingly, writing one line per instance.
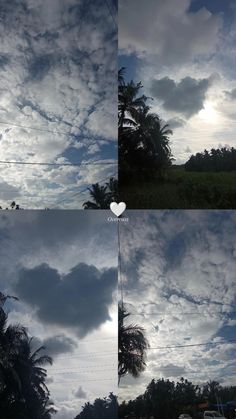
(117, 209)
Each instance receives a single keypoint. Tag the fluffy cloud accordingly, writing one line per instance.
(147, 28)
(185, 97)
(66, 300)
(184, 292)
(58, 92)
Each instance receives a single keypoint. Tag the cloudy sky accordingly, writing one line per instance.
(63, 267)
(58, 99)
(178, 273)
(185, 57)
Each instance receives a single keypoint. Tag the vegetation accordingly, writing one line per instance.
(217, 160)
(132, 346)
(147, 177)
(167, 399)
(144, 149)
(13, 205)
(184, 190)
(102, 195)
(23, 390)
(101, 409)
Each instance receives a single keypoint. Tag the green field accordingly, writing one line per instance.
(183, 190)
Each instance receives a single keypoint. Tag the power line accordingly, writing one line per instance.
(88, 354)
(34, 128)
(61, 371)
(84, 381)
(112, 16)
(86, 189)
(120, 268)
(192, 345)
(85, 372)
(58, 164)
(182, 313)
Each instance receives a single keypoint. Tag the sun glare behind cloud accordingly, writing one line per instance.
(208, 113)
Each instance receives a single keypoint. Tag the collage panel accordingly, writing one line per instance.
(128, 312)
(58, 102)
(58, 315)
(177, 318)
(177, 90)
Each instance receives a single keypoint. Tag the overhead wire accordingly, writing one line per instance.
(192, 345)
(86, 189)
(181, 313)
(58, 164)
(84, 381)
(110, 11)
(120, 278)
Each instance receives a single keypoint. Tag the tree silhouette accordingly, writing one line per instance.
(216, 160)
(132, 346)
(105, 408)
(23, 391)
(168, 399)
(13, 205)
(102, 195)
(144, 149)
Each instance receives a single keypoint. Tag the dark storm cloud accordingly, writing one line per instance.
(79, 299)
(176, 122)
(56, 345)
(185, 97)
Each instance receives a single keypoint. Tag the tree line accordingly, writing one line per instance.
(105, 408)
(144, 146)
(216, 160)
(167, 399)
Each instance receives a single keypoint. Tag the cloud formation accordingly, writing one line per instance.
(80, 393)
(63, 300)
(57, 96)
(56, 345)
(147, 28)
(185, 97)
(184, 293)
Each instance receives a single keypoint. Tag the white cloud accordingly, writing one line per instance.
(182, 280)
(147, 28)
(56, 74)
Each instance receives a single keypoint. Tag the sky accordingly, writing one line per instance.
(178, 278)
(62, 265)
(185, 57)
(58, 99)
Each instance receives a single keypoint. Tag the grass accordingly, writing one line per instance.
(183, 190)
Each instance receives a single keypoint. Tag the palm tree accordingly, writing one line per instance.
(23, 392)
(144, 149)
(132, 347)
(99, 195)
(112, 187)
(102, 195)
(129, 101)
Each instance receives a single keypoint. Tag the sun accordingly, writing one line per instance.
(209, 113)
